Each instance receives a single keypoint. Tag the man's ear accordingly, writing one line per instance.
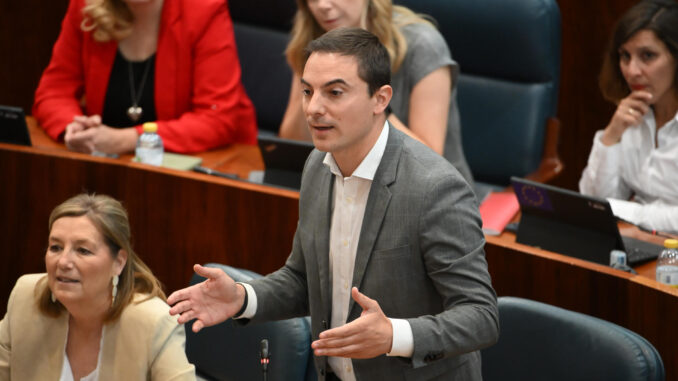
(382, 97)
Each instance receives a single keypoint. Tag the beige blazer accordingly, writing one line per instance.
(145, 343)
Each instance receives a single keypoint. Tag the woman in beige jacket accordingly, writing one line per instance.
(98, 313)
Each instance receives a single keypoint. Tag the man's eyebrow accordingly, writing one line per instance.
(329, 83)
(335, 81)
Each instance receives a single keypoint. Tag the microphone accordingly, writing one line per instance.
(264, 357)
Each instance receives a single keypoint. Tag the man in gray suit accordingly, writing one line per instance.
(388, 255)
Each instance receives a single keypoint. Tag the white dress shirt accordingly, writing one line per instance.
(348, 209)
(636, 168)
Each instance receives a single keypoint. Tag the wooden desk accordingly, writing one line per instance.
(636, 302)
(178, 218)
(181, 218)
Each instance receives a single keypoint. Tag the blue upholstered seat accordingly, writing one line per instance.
(538, 341)
(229, 351)
(509, 55)
(265, 73)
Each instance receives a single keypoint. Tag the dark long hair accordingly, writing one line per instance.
(658, 16)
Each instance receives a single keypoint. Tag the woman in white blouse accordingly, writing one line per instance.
(634, 160)
(98, 313)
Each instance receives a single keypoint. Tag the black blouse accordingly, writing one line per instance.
(119, 97)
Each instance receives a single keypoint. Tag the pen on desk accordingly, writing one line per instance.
(212, 172)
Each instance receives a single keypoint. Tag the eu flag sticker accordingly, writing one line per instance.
(534, 197)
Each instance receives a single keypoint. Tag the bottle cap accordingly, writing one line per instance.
(150, 127)
(671, 243)
(617, 257)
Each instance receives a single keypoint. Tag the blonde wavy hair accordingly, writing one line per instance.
(110, 218)
(380, 17)
(107, 19)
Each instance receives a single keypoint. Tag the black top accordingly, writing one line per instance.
(119, 97)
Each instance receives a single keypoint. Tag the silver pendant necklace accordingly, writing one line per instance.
(134, 112)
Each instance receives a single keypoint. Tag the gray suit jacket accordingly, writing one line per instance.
(420, 255)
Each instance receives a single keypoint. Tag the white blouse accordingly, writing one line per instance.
(639, 179)
(67, 372)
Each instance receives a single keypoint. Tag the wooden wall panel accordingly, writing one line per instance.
(28, 29)
(586, 27)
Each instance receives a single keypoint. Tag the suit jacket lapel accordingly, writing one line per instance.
(322, 238)
(375, 210)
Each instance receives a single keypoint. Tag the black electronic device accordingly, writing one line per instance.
(284, 160)
(574, 224)
(13, 128)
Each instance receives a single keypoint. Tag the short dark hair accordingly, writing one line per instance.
(374, 64)
(658, 16)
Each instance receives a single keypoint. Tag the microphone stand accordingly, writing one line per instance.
(264, 358)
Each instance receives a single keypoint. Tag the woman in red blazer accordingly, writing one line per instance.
(187, 55)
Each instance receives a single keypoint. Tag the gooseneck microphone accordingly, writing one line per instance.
(264, 357)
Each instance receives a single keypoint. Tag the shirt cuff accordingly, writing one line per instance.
(251, 308)
(626, 210)
(403, 341)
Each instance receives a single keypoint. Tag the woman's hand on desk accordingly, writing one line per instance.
(72, 139)
(630, 112)
(88, 134)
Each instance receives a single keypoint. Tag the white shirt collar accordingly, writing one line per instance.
(368, 167)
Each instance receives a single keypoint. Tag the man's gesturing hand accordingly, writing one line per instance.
(368, 336)
(210, 302)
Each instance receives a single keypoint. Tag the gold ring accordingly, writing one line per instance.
(631, 111)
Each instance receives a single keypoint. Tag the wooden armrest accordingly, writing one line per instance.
(550, 165)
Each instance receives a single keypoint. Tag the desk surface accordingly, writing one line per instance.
(180, 218)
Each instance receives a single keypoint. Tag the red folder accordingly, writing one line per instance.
(497, 210)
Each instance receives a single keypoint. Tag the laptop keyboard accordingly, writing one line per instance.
(638, 251)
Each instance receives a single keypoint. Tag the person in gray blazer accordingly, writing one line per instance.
(388, 254)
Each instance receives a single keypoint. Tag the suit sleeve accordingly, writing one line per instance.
(451, 242)
(284, 293)
(220, 111)
(62, 84)
(169, 343)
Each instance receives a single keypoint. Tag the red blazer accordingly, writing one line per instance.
(199, 99)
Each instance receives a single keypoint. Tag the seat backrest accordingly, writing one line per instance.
(261, 35)
(509, 55)
(229, 351)
(265, 73)
(538, 341)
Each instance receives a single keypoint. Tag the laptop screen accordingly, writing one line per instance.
(13, 127)
(566, 222)
(284, 160)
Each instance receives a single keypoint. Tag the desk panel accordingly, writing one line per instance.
(178, 218)
(632, 301)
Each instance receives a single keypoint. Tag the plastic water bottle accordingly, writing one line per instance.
(149, 146)
(667, 263)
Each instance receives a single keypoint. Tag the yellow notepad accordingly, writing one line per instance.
(178, 161)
